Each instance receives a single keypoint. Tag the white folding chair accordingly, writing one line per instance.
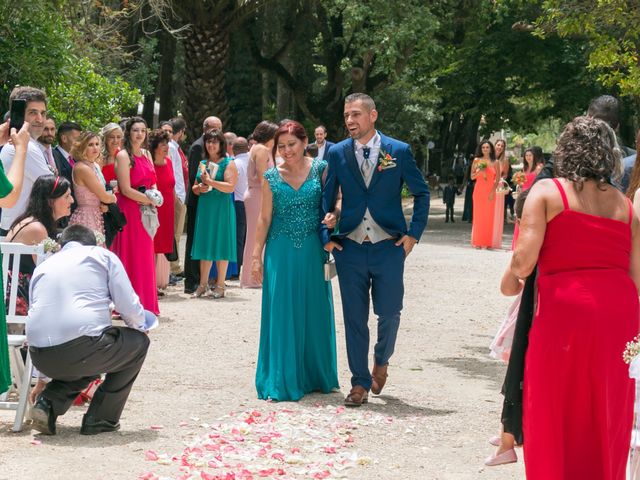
(21, 370)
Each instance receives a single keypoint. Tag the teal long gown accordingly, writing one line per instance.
(297, 334)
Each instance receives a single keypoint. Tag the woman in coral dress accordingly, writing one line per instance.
(134, 245)
(89, 184)
(488, 206)
(260, 160)
(581, 232)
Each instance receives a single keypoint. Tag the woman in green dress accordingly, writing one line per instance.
(10, 188)
(215, 232)
(297, 333)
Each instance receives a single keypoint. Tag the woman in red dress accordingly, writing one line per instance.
(581, 231)
(163, 240)
(533, 163)
(112, 137)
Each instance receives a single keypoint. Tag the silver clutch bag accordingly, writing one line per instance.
(329, 269)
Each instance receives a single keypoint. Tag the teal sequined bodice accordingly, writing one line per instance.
(296, 213)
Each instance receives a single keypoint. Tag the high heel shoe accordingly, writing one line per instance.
(218, 292)
(200, 291)
(508, 456)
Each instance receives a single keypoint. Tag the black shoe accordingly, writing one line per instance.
(180, 274)
(42, 416)
(92, 426)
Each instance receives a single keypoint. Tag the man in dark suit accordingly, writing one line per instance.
(321, 142)
(371, 240)
(195, 156)
(68, 134)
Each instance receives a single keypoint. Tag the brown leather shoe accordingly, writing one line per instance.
(378, 378)
(357, 396)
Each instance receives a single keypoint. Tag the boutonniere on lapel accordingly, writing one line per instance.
(385, 161)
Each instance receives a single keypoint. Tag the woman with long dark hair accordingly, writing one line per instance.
(49, 201)
(486, 231)
(134, 245)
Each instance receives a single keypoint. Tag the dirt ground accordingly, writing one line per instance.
(193, 412)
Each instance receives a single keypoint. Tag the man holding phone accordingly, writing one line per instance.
(34, 104)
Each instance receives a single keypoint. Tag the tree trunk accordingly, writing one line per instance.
(166, 92)
(206, 53)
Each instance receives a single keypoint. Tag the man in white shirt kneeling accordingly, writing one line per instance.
(71, 337)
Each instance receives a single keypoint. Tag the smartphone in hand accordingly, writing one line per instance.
(16, 114)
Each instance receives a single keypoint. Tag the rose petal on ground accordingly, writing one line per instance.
(151, 455)
(35, 441)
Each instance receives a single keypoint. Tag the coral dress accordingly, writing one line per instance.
(87, 213)
(486, 230)
(133, 245)
(577, 397)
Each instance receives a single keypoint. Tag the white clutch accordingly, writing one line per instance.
(329, 269)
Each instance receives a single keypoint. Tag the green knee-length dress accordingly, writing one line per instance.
(215, 232)
(5, 369)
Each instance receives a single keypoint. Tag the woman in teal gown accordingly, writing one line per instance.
(215, 232)
(297, 335)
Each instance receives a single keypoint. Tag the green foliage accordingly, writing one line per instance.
(90, 99)
(610, 29)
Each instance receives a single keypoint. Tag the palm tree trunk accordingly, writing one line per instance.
(206, 53)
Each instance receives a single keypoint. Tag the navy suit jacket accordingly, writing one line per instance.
(383, 197)
(63, 166)
(196, 155)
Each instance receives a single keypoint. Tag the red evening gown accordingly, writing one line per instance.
(578, 398)
(133, 245)
(163, 241)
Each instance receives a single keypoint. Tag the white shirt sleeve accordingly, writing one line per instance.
(125, 299)
(176, 161)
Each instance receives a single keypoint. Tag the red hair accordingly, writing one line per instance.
(289, 128)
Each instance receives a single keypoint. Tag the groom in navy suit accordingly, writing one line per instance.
(371, 239)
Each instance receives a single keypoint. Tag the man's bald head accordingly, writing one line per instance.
(240, 145)
(211, 123)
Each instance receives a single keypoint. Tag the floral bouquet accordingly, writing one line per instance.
(49, 245)
(481, 166)
(519, 178)
(631, 356)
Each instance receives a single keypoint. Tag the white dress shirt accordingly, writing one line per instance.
(242, 164)
(70, 294)
(35, 166)
(368, 229)
(176, 162)
(321, 149)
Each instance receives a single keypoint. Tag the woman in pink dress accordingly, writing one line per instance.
(260, 160)
(88, 184)
(163, 240)
(533, 163)
(581, 232)
(134, 245)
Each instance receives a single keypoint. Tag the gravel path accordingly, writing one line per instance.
(194, 409)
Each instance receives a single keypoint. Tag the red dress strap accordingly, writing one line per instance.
(630, 211)
(563, 194)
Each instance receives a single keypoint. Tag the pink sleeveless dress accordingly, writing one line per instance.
(133, 245)
(252, 206)
(87, 212)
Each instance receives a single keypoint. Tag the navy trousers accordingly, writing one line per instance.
(370, 271)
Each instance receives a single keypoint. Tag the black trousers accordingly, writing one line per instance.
(119, 352)
(191, 267)
(241, 231)
(449, 213)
